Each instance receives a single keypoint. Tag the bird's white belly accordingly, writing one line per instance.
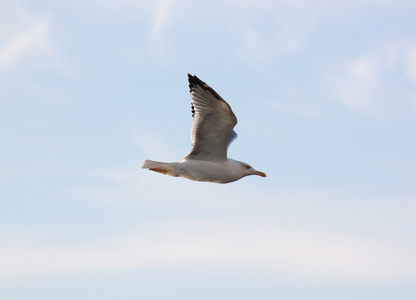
(213, 171)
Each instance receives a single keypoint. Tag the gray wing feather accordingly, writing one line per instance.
(213, 122)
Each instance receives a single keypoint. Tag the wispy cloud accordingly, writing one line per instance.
(34, 38)
(410, 63)
(207, 244)
(161, 15)
(360, 87)
(162, 10)
(154, 15)
(29, 42)
(366, 84)
(287, 30)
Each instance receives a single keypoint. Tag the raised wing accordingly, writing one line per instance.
(213, 122)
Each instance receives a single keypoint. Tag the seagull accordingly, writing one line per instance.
(211, 135)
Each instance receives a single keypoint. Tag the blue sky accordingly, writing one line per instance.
(325, 95)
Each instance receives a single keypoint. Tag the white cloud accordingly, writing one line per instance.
(287, 31)
(214, 244)
(360, 87)
(155, 14)
(372, 83)
(162, 12)
(28, 42)
(34, 38)
(99, 10)
(312, 3)
(410, 63)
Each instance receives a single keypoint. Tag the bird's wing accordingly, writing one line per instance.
(213, 122)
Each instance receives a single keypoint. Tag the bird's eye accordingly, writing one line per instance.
(247, 167)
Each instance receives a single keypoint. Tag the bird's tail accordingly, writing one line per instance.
(152, 164)
(157, 166)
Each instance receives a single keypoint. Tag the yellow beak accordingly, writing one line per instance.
(259, 173)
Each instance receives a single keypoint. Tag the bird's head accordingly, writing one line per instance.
(249, 170)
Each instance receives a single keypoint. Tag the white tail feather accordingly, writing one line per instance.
(161, 167)
(153, 164)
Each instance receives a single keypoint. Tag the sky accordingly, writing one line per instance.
(325, 96)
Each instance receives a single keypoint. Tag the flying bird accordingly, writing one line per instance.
(211, 135)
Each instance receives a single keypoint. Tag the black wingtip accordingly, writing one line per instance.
(194, 81)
